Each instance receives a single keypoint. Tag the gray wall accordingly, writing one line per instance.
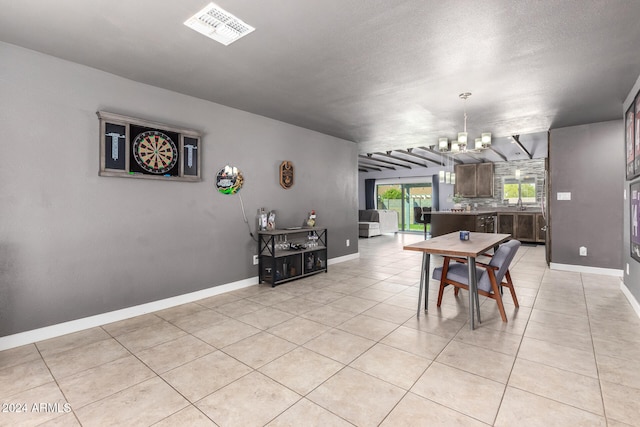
(587, 161)
(631, 279)
(73, 244)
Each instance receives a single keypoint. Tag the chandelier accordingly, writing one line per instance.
(460, 145)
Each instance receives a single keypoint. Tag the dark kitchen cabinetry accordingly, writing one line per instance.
(525, 227)
(474, 180)
(541, 228)
(506, 223)
(449, 222)
(466, 184)
(484, 180)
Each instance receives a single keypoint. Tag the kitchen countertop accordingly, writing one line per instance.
(532, 209)
(478, 212)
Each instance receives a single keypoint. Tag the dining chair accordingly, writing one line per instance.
(491, 277)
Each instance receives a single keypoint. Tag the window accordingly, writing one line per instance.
(513, 189)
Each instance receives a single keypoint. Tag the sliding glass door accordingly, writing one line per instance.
(403, 198)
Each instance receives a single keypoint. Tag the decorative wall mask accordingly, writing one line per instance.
(229, 180)
(286, 174)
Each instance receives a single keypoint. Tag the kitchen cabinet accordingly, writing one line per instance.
(448, 222)
(474, 180)
(484, 180)
(506, 223)
(525, 227)
(466, 180)
(541, 224)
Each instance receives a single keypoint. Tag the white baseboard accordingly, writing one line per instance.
(35, 335)
(53, 331)
(344, 258)
(632, 300)
(586, 269)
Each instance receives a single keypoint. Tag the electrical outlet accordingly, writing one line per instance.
(583, 251)
(255, 260)
(348, 242)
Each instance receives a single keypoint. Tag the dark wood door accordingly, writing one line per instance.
(506, 223)
(484, 180)
(466, 180)
(526, 227)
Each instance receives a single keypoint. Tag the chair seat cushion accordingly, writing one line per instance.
(460, 273)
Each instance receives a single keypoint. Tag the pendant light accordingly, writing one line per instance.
(461, 144)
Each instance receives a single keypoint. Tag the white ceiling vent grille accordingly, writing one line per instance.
(218, 24)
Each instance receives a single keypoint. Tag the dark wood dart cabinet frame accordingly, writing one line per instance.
(116, 158)
(278, 266)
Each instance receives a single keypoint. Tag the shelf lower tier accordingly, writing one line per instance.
(294, 265)
(292, 278)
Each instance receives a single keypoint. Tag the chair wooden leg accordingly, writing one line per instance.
(511, 288)
(497, 296)
(440, 292)
(445, 271)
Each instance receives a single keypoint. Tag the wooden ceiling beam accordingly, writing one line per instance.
(516, 138)
(374, 167)
(369, 156)
(389, 155)
(438, 153)
(409, 152)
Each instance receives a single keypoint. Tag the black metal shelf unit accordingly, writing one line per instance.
(286, 255)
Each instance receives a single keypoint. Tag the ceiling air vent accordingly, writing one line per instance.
(218, 24)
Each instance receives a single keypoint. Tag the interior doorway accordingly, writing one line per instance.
(403, 198)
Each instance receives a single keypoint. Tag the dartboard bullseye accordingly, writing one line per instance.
(155, 152)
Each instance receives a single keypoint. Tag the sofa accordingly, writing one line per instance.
(374, 222)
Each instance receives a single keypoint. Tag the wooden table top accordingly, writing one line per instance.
(450, 244)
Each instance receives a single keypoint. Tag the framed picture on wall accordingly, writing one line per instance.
(629, 124)
(634, 203)
(136, 148)
(636, 135)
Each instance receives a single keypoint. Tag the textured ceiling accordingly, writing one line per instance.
(384, 74)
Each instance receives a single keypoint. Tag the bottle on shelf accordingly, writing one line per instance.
(262, 219)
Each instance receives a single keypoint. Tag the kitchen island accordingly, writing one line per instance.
(525, 225)
(445, 222)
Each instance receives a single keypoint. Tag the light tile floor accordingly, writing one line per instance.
(346, 348)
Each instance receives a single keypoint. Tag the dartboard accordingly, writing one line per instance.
(155, 152)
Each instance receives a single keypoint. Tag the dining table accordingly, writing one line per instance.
(452, 244)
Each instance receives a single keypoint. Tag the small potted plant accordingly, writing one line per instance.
(457, 199)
